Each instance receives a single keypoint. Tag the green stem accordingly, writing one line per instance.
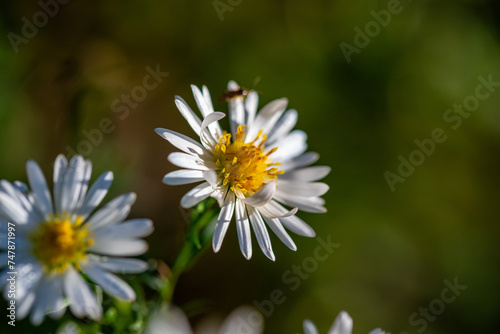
(197, 239)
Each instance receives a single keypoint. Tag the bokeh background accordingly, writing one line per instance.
(396, 247)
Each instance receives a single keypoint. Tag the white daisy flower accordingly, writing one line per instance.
(171, 320)
(57, 239)
(341, 325)
(251, 170)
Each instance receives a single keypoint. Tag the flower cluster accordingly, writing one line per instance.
(69, 247)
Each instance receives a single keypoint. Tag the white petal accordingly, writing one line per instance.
(184, 160)
(60, 166)
(298, 226)
(20, 198)
(280, 231)
(39, 187)
(113, 212)
(118, 265)
(211, 177)
(25, 305)
(200, 101)
(168, 321)
(263, 196)
(192, 119)
(243, 228)
(226, 213)
(134, 228)
(73, 180)
(377, 331)
(306, 174)
(237, 113)
(273, 209)
(119, 247)
(283, 126)
(82, 300)
(110, 283)
(342, 324)
(232, 85)
(28, 277)
(251, 103)
(97, 192)
(290, 146)
(260, 231)
(305, 159)
(12, 211)
(208, 99)
(181, 141)
(183, 176)
(196, 195)
(304, 189)
(267, 117)
(85, 184)
(308, 204)
(206, 136)
(309, 327)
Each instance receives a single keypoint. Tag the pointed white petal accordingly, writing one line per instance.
(134, 228)
(182, 142)
(82, 300)
(243, 228)
(119, 247)
(306, 174)
(97, 192)
(192, 119)
(206, 96)
(85, 184)
(290, 146)
(73, 180)
(305, 189)
(188, 161)
(267, 117)
(251, 104)
(308, 204)
(226, 213)
(298, 226)
(200, 101)
(283, 126)
(119, 265)
(342, 324)
(280, 231)
(263, 196)
(60, 166)
(303, 160)
(110, 283)
(260, 231)
(183, 176)
(39, 188)
(273, 209)
(196, 195)
(206, 136)
(113, 212)
(12, 211)
(237, 113)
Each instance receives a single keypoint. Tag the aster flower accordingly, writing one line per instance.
(59, 238)
(171, 320)
(251, 171)
(341, 325)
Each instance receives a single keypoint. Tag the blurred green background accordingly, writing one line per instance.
(396, 248)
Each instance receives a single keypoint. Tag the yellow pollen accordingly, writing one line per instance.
(245, 167)
(60, 242)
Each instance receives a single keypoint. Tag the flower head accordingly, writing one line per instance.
(252, 170)
(341, 325)
(58, 237)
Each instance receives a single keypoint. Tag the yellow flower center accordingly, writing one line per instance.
(245, 167)
(60, 242)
